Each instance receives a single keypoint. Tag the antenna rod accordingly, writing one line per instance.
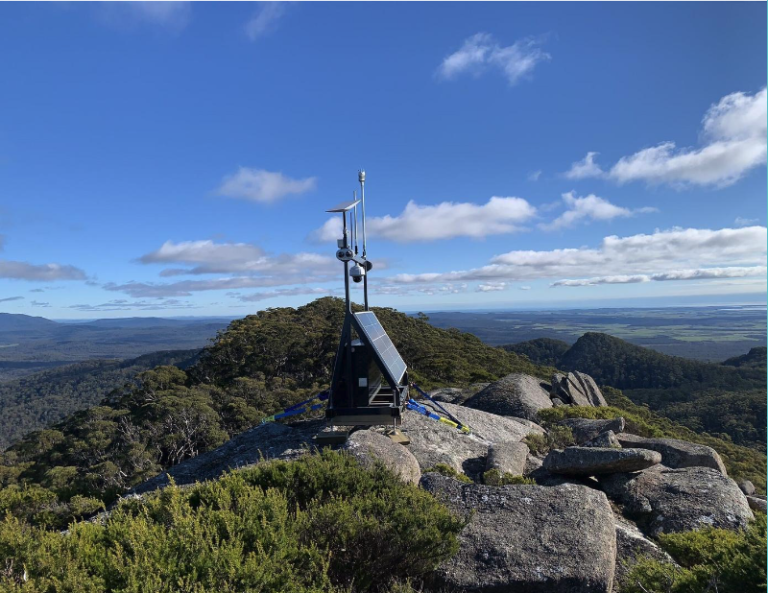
(354, 226)
(361, 178)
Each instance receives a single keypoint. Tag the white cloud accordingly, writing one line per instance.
(259, 185)
(265, 19)
(492, 287)
(300, 291)
(699, 274)
(170, 15)
(208, 257)
(13, 298)
(534, 175)
(481, 52)
(661, 252)
(589, 208)
(17, 270)
(446, 220)
(734, 137)
(126, 305)
(586, 167)
(525, 288)
(740, 221)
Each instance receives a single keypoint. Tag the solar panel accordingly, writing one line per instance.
(379, 340)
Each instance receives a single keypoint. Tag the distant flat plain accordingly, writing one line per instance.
(703, 333)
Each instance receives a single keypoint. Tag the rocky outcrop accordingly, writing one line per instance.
(515, 395)
(266, 441)
(593, 461)
(456, 395)
(676, 453)
(631, 546)
(433, 442)
(757, 504)
(528, 539)
(578, 389)
(664, 500)
(371, 447)
(604, 439)
(586, 429)
(747, 487)
(507, 458)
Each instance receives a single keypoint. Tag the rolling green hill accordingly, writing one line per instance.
(727, 400)
(35, 401)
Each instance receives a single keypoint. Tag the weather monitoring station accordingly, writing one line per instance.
(370, 379)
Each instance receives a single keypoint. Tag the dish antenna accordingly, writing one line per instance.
(370, 379)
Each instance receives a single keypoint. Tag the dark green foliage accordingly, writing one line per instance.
(446, 470)
(347, 529)
(494, 477)
(38, 400)
(741, 462)
(710, 559)
(557, 437)
(720, 399)
(756, 358)
(259, 366)
(546, 351)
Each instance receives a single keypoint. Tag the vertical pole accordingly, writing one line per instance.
(361, 179)
(346, 264)
(354, 225)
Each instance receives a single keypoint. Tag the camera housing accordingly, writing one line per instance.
(357, 273)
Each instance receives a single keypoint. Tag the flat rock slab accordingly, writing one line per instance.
(676, 453)
(517, 395)
(592, 461)
(507, 458)
(266, 441)
(528, 539)
(665, 500)
(370, 447)
(631, 546)
(586, 429)
(433, 442)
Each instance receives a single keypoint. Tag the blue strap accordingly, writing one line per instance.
(446, 412)
(299, 408)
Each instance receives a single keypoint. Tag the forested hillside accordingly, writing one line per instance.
(259, 365)
(727, 399)
(35, 401)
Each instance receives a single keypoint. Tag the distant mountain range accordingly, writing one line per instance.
(727, 398)
(30, 344)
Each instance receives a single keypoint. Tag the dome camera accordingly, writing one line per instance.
(357, 273)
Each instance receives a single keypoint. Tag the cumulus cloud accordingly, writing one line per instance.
(13, 298)
(446, 220)
(643, 254)
(492, 287)
(589, 208)
(282, 292)
(264, 19)
(126, 305)
(481, 52)
(700, 274)
(260, 185)
(586, 167)
(734, 141)
(17, 270)
(208, 257)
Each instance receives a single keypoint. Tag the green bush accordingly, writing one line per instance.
(494, 477)
(321, 523)
(710, 560)
(446, 470)
(557, 437)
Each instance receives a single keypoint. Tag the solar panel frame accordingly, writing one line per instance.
(368, 324)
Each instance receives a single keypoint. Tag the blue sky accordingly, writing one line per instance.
(177, 159)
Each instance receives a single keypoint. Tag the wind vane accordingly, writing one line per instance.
(370, 379)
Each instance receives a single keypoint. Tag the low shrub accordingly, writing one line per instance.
(709, 560)
(319, 524)
(557, 437)
(446, 470)
(494, 477)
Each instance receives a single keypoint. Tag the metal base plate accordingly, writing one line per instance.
(332, 437)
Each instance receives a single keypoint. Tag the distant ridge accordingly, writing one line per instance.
(19, 322)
